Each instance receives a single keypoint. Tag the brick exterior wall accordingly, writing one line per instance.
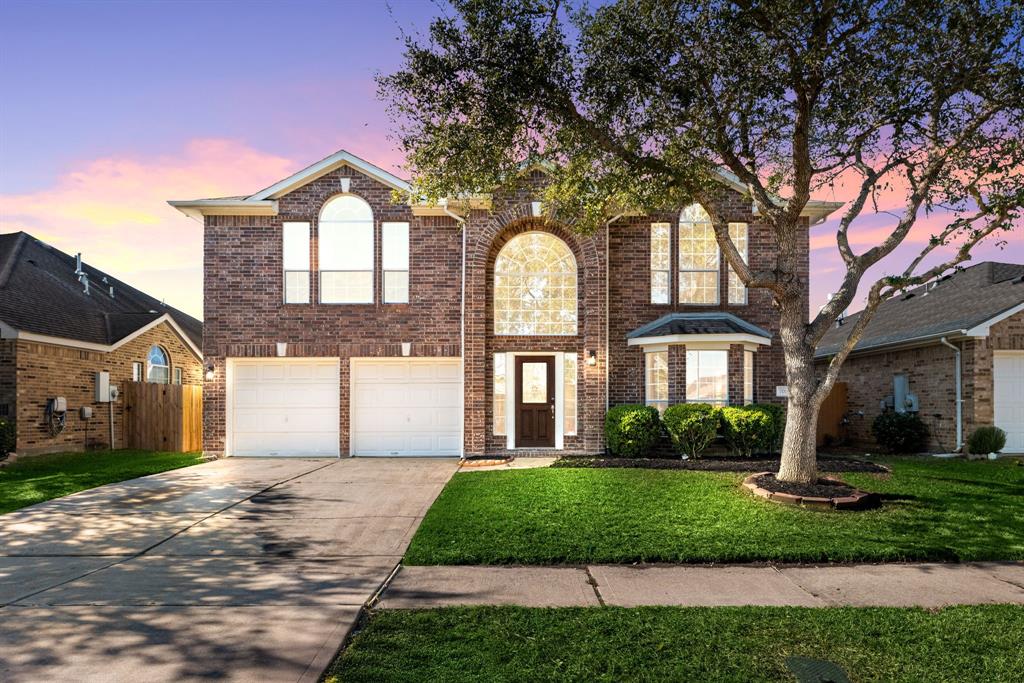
(8, 406)
(244, 315)
(930, 371)
(46, 371)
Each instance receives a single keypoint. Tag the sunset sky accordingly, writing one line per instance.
(110, 109)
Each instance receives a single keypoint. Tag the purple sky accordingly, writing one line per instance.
(111, 108)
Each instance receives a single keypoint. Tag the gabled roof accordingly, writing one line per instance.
(961, 304)
(41, 295)
(682, 327)
(264, 202)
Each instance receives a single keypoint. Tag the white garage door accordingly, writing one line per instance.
(284, 406)
(1008, 378)
(409, 406)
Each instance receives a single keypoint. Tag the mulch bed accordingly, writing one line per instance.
(718, 464)
(825, 494)
(824, 488)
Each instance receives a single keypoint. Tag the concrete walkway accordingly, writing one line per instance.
(239, 569)
(889, 585)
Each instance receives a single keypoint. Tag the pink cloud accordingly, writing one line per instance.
(114, 210)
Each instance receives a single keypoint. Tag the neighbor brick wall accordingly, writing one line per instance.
(244, 313)
(47, 371)
(7, 379)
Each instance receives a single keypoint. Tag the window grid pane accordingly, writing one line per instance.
(748, 377)
(707, 377)
(346, 287)
(535, 287)
(569, 395)
(698, 257)
(737, 290)
(396, 286)
(296, 286)
(656, 380)
(499, 394)
(661, 258)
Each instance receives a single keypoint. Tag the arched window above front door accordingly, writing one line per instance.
(535, 286)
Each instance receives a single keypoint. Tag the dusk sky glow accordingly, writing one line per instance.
(112, 108)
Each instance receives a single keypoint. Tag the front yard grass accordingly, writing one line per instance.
(684, 644)
(946, 510)
(35, 479)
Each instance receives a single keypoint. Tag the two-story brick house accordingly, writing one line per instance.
(338, 321)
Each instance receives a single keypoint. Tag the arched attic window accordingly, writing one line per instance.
(345, 233)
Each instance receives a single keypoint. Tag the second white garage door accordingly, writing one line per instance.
(407, 406)
(1008, 378)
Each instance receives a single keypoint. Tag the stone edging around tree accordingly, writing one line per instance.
(857, 500)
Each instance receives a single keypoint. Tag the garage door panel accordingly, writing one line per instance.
(1008, 381)
(406, 407)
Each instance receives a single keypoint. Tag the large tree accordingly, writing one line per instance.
(640, 104)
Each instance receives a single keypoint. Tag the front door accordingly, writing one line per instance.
(535, 401)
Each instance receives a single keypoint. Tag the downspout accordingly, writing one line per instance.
(959, 396)
(462, 322)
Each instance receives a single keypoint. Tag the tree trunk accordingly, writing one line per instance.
(799, 450)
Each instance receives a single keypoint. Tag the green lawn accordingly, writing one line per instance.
(34, 479)
(683, 644)
(933, 510)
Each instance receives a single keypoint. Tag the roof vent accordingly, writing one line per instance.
(909, 295)
(83, 277)
(111, 290)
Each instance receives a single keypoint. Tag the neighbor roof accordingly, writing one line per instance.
(963, 303)
(40, 294)
(264, 202)
(675, 324)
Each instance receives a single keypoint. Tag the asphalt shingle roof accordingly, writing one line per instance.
(40, 293)
(697, 323)
(955, 302)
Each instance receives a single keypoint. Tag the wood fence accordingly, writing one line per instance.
(830, 417)
(163, 417)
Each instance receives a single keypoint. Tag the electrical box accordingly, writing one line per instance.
(85, 412)
(103, 387)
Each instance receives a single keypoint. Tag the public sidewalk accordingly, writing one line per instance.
(869, 585)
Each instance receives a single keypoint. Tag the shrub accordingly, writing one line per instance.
(691, 426)
(985, 440)
(778, 424)
(632, 431)
(900, 432)
(6, 437)
(748, 429)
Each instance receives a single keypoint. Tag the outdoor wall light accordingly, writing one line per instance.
(591, 357)
(209, 371)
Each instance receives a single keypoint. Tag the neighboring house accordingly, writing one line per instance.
(968, 324)
(63, 321)
(340, 322)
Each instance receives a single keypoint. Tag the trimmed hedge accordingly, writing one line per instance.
(900, 432)
(691, 426)
(778, 428)
(748, 429)
(632, 431)
(985, 440)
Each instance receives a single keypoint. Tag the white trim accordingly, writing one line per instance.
(691, 339)
(325, 166)
(8, 332)
(511, 396)
(197, 208)
(983, 329)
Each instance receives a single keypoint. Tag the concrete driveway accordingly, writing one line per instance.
(239, 569)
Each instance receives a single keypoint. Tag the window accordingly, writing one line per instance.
(656, 379)
(177, 375)
(159, 366)
(296, 262)
(698, 257)
(661, 263)
(395, 253)
(707, 377)
(737, 290)
(136, 371)
(569, 395)
(346, 251)
(748, 377)
(535, 286)
(499, 394)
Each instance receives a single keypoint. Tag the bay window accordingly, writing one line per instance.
(656, 379)
(707, 377)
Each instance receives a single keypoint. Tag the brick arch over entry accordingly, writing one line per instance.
(486, 234)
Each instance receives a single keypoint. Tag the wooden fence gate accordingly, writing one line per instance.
(163, 417)
(830, 417)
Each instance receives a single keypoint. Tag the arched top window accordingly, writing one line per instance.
(535, 286)
(698, 257)
(345, 234)
(158, 366)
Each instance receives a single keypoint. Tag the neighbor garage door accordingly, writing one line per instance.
(407, 406)
(1008, 390)
(283, 406)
